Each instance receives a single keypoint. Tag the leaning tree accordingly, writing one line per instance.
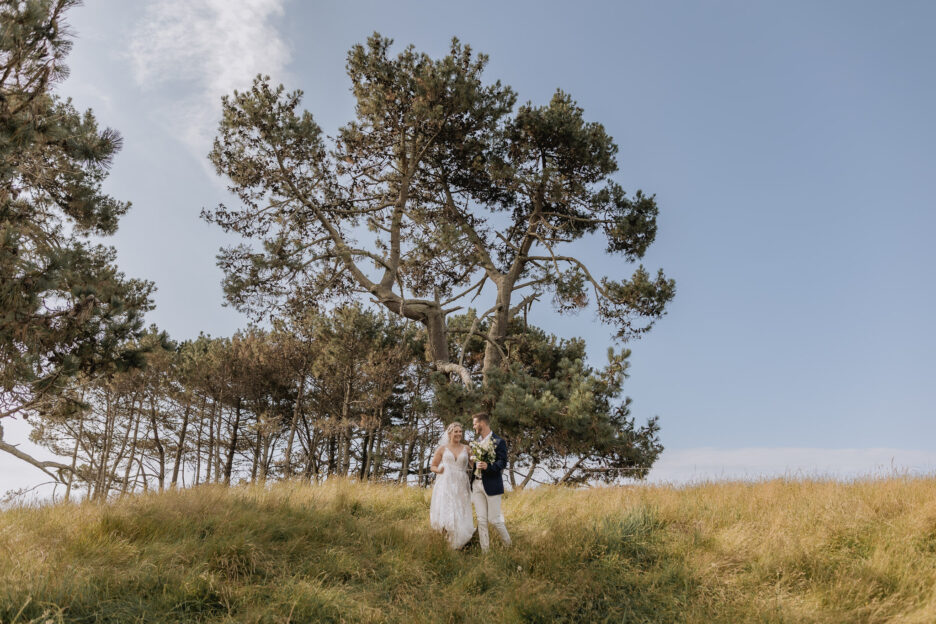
(65, 310)
(463, 196)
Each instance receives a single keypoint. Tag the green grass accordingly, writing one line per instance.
(770, 552)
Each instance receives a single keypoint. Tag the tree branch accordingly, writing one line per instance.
(451, 367)
(344, 250)
(576, 261)
(41, 465)
(572, 470)
(479, 335)
(526, 300)
(483, 254)
(530, 283)
(479, 286)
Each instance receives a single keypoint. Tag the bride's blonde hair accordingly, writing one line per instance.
(452, 425)
(447, 436)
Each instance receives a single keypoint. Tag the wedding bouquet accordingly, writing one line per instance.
(483, 452)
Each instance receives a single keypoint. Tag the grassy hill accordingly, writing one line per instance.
(774, 551)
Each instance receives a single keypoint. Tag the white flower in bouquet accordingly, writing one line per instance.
(483, 452)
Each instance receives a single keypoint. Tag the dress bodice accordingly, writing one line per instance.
(451, 461)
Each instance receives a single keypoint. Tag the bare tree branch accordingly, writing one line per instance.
(41, 465)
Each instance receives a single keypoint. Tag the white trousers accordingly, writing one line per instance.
(488, 510)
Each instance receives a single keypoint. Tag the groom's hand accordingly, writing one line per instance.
(482, 465)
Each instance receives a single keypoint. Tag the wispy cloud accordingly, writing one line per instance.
(699, 464)
(188, 53)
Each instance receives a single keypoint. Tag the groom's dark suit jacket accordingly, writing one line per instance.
(491, 478)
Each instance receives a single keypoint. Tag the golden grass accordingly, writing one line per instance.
(771, 551)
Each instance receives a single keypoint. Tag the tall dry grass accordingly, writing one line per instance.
(772, 551)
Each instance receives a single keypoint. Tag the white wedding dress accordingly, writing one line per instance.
(450, 508)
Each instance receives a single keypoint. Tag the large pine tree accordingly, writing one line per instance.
(461, 190)
(65, 310)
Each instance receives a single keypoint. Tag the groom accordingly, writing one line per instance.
(486, 491)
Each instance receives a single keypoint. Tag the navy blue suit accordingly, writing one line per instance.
(492, 479)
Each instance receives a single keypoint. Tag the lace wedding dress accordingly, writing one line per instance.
(450, 508)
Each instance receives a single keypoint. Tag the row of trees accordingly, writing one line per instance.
(463, 196)
(348, 395)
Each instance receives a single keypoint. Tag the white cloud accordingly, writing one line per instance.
(701, 464)
(188, 53)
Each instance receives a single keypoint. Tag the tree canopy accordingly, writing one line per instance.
(458, 188)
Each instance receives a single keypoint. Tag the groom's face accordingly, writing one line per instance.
(478, 426)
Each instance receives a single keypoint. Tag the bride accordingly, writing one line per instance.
(450, 509)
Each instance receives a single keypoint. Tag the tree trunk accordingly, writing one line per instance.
(112, 474)
(179, 451)
(498, 329)
(141, 473)
(377, 462)
(345, 451)
(266, 458)
(412, 433)
(572, 470)
(309, 441)
(258, 443)
(198, 441)
(136, 417)
(211, 439)
(529, 477)
(313, 459)
(105, 449)
(366, 445)
(332, 444)
(422, 465)
(229, 465)
(292, 427)
(161, 476)
(437, 335)
(217, 449)
(74, 460)
(405, 460)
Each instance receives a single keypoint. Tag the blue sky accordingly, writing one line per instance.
(791, 147)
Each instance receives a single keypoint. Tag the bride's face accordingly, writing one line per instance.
(456, 435)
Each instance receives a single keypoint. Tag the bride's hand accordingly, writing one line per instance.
(440, 469)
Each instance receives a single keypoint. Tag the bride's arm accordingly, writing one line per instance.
(435, 466)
